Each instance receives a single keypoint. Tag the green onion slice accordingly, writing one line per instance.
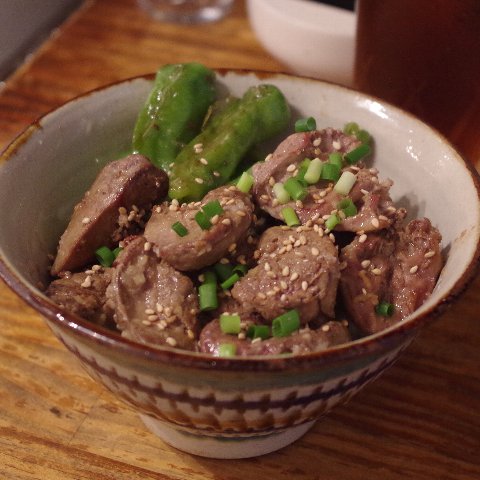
(207, 296)
(259, 331)
(332, 221)
(240, 269)
(305, 124)
(105, 256)
(330, 171)
(351, 128)
(336, 159)
(345, 183)
(347, 207)
(202, 220)
(230, 323)
(384, 309)
(180, 229)
(230, 281)
(286, 323)
(357, 154)
(116, 251)
(281, 193)
(314, 170)
(295, 189)
(245, 182)
(223, 270)
(302, 170)
(212, 208)
(227, 350)
(363, 136)
(209, 276)
(290, 217)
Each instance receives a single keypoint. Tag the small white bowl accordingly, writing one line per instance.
(310, 38)
(226, 407)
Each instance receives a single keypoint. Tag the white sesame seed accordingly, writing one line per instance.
(198, 147)
(317, 142)
(315, 251)
(87, 282)
(152, 318)
(383, 217)
(294, 276)
(429, 254)
(203, 161)
(304, 285)
(240, 213)
(364, 291)
(271, 181)
(147, 246)
(86, 220)
(268, 157)
(375, 222)
(261, 296)
(149, 311)
(171, 341)
(362, 238)
(365, 263)
(267, 267)
(283, 285)
(291, 167)
(286, 271)
(226, 221)
(376, 271)
(336, 145)
(283, 297)
(414, 269)
(146, 322)
(199, 180)
(216, 174)
(325, 328)
(159, 307)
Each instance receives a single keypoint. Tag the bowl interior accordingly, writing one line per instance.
(47, 169)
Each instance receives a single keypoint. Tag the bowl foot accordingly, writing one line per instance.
(224, 446)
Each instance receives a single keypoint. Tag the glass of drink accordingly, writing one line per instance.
(187, 11)
(424, 56)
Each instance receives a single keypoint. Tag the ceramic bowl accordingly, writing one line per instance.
(309, 38)
(226, 407)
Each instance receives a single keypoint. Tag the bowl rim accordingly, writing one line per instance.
(374, 344)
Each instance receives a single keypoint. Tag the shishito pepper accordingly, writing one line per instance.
(260, 114)
(174, 111)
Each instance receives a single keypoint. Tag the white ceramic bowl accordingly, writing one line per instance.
(309, 38)
(221, 407)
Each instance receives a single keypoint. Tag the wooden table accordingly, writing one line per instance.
(421, 420)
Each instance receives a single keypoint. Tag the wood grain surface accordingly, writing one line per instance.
(420, 420)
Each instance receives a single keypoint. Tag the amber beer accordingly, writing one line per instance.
(424, 56)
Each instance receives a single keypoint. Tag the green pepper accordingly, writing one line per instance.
(174, 111)
(260, 114)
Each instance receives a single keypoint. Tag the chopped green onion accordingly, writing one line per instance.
(212, 208)
(280, 193)
(384, 309)
(223, 270)
(286, 323)
(332, 221)
(336, 159)
(290, 216)
(116, 251)
(351, 128)
(240, 269)
(180, 229)
(345, 183)
(202, 220)
(295, 189)
(230, 281)
(363, 136)
(305, 124)
(314, 170)
(227, 350)
(259, 331)
(330, 171)
(302, 170)
(207, 296)
(357, 154)
(245, 182)
(105, 256)
(209, 276)
(347, 207)
(230, 323)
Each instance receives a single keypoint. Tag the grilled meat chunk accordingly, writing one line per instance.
(130, 184)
